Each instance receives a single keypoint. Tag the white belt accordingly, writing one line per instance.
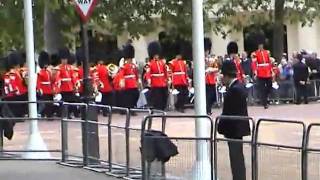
(179, 73)
(65, 79)
(263, 65)
(157, 75)
(45, 83)
(130, 76)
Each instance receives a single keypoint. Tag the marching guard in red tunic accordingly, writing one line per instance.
(157, 77)
(130, 78)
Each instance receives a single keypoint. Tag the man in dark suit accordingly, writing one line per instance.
(300, 76)
(235, 104)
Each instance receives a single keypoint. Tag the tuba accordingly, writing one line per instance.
(112, 69)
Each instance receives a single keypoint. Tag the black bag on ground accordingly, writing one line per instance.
(158, 146)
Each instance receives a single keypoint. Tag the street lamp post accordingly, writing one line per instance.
(35, 141)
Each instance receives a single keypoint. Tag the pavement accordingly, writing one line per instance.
(270, 133)
(35, 170)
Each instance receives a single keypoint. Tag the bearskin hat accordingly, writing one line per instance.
(154, 48)
(207, 44)
(260, 39)
(186, 50)
(14, 59)
(128, 52)
(229, 68)
(54, 60)
(44, 59)
(72, 59)
(232, 48)
(64, 53)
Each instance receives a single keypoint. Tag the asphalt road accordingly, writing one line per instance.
(31, 170)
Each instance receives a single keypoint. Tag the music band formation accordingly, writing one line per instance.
(60, 77)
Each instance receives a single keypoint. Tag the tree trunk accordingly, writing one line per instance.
(278, 30)
(53, 39)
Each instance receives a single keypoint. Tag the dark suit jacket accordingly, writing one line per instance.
(235, 104)
(300, 72)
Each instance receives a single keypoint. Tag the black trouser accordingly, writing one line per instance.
(237, 162)
(20, 109)
(159, 97)
(118, 98)
(108, 99)
(211, 97)
(301, 91)
(46, 109)
(130, 97)
(182, 97)
(70, 97)
(264, 87)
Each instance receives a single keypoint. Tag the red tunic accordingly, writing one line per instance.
(116, 82)
(157, 73)
(10, 87)
(129, 72)
(20, 81)
(211, 72)
(263, 64)
(240, 72)
(92, 77)
(44, 82)
(179, 72)
(65, 78)
(103, 78)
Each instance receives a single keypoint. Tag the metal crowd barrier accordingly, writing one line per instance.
(69, 158)
(312, 153)
(285, 94)
(221, 147)
(8, 118)
(182, 165)
(280, 160)
(119, 146)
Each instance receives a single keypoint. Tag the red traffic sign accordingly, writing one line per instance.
(85, 8)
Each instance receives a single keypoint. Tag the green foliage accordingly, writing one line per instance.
(139, 17)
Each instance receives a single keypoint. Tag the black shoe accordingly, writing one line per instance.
(181, 110)
(266, 106)
(306, 102)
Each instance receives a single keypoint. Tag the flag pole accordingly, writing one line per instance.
(202, 168)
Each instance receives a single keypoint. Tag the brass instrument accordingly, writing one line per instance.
(113, 69)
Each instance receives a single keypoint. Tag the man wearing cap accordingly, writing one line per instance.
(157, 77)
(235, 104)
(263, 72)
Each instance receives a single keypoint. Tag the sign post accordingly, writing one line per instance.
(90, 139)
